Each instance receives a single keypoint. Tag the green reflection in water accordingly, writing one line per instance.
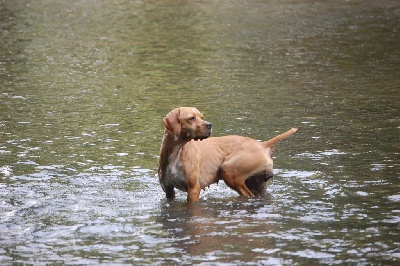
(84, 86)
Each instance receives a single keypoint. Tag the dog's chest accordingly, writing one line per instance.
(175, 175)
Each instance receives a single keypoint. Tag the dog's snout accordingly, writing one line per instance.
(208, 125)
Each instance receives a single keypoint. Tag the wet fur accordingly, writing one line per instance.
(188, 165)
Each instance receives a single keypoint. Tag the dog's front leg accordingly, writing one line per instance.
(170, 192)
(193, 192)
(191, 171)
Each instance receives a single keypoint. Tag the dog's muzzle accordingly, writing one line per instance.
(207, 133)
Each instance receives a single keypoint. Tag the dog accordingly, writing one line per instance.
(191, 160)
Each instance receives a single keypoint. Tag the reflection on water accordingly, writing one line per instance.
(84, 86)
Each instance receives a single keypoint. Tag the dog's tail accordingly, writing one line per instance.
(271, 143)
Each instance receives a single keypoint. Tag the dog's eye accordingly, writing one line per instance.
(192, 119)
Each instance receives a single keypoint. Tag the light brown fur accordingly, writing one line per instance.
(190, 165)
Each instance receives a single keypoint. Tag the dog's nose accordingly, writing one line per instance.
(208, 125)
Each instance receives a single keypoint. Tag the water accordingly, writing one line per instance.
(85, 84)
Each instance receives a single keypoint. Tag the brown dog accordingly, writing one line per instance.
(189, 165)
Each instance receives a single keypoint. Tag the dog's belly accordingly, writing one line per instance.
(209, 176)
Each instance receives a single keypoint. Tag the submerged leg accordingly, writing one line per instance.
(193, 193)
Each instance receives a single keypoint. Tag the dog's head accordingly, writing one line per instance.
(187, 122)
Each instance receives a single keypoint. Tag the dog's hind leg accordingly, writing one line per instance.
(237, 183)
(258, 183)
(243, 190)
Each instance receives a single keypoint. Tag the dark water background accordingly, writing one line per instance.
(84, 86)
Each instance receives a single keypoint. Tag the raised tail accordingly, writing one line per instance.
(274, 140)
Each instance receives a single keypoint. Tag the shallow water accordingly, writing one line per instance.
(85, 85)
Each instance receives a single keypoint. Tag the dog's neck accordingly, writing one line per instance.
(174, 140)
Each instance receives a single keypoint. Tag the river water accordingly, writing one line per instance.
(84, 86)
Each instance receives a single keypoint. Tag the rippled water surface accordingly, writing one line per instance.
(84, 86)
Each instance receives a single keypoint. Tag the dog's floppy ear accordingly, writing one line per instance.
(171, 122)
